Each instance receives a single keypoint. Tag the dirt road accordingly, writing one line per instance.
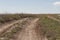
(54, 18)
(29, 32)
(6, 27)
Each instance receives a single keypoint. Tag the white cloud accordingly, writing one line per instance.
(56, 3)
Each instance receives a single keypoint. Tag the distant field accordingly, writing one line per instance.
(49, 27)
(10, 17)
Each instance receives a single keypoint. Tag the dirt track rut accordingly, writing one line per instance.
(6, 27)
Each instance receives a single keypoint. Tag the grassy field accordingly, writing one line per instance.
(49, 27)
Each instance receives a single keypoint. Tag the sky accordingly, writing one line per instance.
(30, 6)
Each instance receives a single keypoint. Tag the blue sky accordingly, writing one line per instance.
(30, 6)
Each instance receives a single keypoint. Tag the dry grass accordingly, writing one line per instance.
(48, 27)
